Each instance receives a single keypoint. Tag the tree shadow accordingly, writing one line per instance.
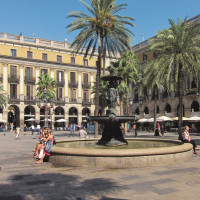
(56, 186)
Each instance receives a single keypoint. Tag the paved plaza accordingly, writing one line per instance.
(22, 179)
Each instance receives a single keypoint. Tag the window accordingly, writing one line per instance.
(59, 76)
(44, 56)
(13, 71)
(72, 60)
(13, 52)
(59, 58)
(59, 93)
(144, 57)
(44, 71)
(29, 91)
(29, 73)
(86, 95)
(72, 77)
(85, 78)
(85, 62)
(13, 91)
(29, 54)
(73, 95)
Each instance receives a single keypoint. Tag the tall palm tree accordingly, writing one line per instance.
(48, 83)
(177, 52)
(101, 29)
(128, 70)
(3, 97)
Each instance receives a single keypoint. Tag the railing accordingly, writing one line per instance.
(72, 100)
(61, 83)
(73, 84)
(29, 80)
(86, 102)
(14, 99)
(60, 101)
(30, 100)
(86, 85)
(13, 79)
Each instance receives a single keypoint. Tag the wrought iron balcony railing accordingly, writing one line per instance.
(13, 79)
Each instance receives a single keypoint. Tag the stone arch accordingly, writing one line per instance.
(168, 108)
(86, 111)
(14, 115)
(73, 115)
(195, 106)
(29, 112)
(146, 110)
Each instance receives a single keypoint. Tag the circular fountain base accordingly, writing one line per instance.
(120, 158)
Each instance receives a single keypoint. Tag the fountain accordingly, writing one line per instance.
(113, 150)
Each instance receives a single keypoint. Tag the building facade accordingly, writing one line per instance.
(24, 59)
(167, 103)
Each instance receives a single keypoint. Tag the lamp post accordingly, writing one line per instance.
(46, 104)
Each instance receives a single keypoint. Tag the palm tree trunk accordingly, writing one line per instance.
(180, 98)
(97, 86)
(155, 108)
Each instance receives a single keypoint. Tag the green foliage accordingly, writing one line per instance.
(101, 22)
(3, 97)
(49, 83)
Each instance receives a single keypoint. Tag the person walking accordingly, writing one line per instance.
(38, 129)
(32, 129)
(17, 133)
(25, 129)
(135, 129)
(162, 130)
(4, 129)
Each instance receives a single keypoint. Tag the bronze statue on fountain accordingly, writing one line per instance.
(112, 133)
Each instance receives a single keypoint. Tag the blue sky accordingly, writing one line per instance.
(47, 18)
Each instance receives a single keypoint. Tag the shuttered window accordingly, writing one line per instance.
(29, 73)
(73, 94)
(72, 77)
(85, 62)
(13, 71)
(59, 58)
(44, 71)
(29, 54)
(72, 60)
(13, 52)
(59, 76)
(13, 91)
(86, 95)
(44, 56)
(59, 93)
(85, 78)
(29, 91)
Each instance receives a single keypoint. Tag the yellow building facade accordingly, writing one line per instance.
(167, 103)
(24, 59)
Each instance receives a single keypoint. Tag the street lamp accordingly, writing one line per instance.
(46, 104)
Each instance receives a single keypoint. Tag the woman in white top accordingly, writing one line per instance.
(188, 139)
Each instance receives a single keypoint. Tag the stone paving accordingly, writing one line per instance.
(22, 179)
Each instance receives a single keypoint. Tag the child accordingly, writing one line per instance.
(25, 129)
(17, 132)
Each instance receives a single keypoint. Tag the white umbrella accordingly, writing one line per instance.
(61, 120)
(3, 121)
(163, 118)
(194, 118)
(183, 118)
(150, 120)
(31, 120)
(142, 120)
(49, 120)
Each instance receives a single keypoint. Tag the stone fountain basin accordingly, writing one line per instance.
(106, 118)
(120, 158)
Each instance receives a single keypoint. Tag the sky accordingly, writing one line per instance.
(47, 18)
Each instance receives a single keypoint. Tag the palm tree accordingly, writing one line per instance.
(177, 53)
(128, 70)
(104, 30)
(48, 83)
(3, 97)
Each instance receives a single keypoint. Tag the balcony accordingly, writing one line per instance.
(72, 100)
(86, 85)
(60, 83)
(13, 79)
(60, 101)
(86, 102)
(30, 100)
(73, 84)
(13, 99)
(1, 78)
(29, 80)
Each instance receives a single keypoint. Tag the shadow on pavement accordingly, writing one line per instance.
(53, 186)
